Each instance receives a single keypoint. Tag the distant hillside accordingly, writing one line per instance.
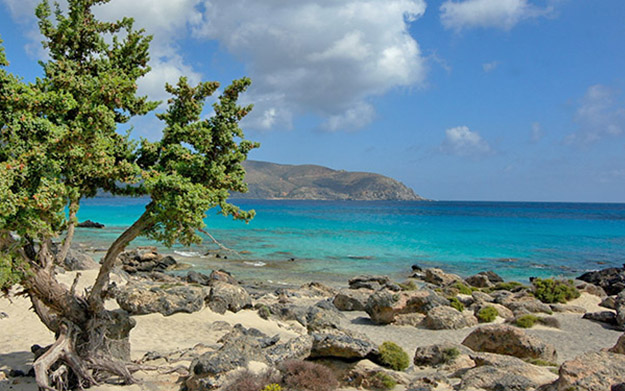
(309, 182)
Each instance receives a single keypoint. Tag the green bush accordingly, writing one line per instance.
(393, 356)
(554, 291)
(382, 381)
(408, 286)
(462, 288)
(454, 302)
(526, 321)
(511, 286)
(450, 355)
(487, 314)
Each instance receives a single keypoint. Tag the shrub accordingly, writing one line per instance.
(382, 381)
(307, 376)
(408, 286)
(264, 311)
(454, 302)
(526, 321)
(554, 291)
(250, 381)
(272, 387)
(393, 356)
(450, 355)
(462, 288)
(511, 286)
(487, 314)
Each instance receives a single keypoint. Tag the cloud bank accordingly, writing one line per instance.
(461, 141)
(599, 115)
(501, 14)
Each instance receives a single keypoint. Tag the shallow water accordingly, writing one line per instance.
(332, 241)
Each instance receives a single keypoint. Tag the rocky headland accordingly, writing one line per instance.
(432, 331)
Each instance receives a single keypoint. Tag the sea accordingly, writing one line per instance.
(331, 241)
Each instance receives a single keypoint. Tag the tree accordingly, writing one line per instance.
(59, 144)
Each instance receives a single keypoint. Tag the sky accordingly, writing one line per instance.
(502, 100)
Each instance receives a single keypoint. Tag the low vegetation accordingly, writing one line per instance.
(462, 288)
(408, 286)
(526, 321)
(512, 286)
(393, 356)
(307, 376)
(554, 291)
(250, 381)
(382, 381)
(487, 314)
(450, 355)
(454, 302)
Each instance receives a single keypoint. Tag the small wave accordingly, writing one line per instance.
(187, 254)
(256, 264)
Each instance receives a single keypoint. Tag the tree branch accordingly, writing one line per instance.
(221, 246)
(71, 227)
(96, 303)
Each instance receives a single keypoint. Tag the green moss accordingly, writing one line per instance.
(526, 321)
(450, 355)
(264, 311)
(511, 286)
(383, 381)
(554, 291)
(408, 286)
(487, 314)
(463, 288)
(393, 356)
(454, 302)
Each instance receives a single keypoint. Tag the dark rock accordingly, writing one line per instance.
(142, 298)
(295, 349)
(416, 268)
(619, 306)
(368, 282)
(620, 345)
(504, 339)
(198, 278)
(3, 315)
(345, 344)
(145, 260)
(352, 299)
(479, 281)
(76, 260)
(618, 387)
(607, 317)
(438, 277)
(17, 373)
(612, 280)
(448, 318)
(323, 315)
(90, 224)
(224, 296)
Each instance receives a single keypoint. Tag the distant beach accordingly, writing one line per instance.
(300, 241)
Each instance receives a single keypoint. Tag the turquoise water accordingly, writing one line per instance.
(335, 240)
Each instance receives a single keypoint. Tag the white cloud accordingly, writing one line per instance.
(321, 57)
(490, 66)
(537, 133)
(461, 141)
(502, 14)
(599, 115)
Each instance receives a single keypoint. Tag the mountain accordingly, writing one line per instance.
(310, 182)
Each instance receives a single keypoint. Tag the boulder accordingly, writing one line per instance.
(76, 260)
(590, 371)
(363, 375)
(522, 303)
(143, 298)
(223, 276)
(608, 317)
(620, 345)
(437, 354)
(482, 297)
(368, 282)
(479, 281)
(448, 318)
(352, 299)
(608, 302)
(383, 306)
(145, 260)
(619, 306)
(503, 312)
(323, 315)
(567, 308)
(344, 344)
(414, 319)
(438, 277)
(198, 278)
(90, 224)
(504, 339)
(224, 296)
(317, 289)
(295, 349)
(612, 280)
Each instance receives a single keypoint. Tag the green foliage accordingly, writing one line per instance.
(463, 288)
(450, 355)
(408, 286)
(393, 356)
(12, 271)
(454, 302)
(272, 387)
(487, 314)
(382, 381)
(554, 291)
(526, 321)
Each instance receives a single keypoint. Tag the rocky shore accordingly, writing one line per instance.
(432, 331)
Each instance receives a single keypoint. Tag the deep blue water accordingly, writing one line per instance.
(335, 240)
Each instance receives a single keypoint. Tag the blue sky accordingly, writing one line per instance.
(460, 100)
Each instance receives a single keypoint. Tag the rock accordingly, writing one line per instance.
(612, 280)
(416, 268)
(608, 317)
(482, 297)
(198, 278)
(362, 375)
(438, 277)
(590, 371)
(437, 354)
(504, 339)
(295, 349)
(317, 289)
(448, 318)
(383, 306)
(223, 276)
(224, 296)
(90, 224)
(414, 319)
(3, 315)
(522, 303)
(591, 289)
(567, 308)
(142, 298)
(479, 281)
(433, 382)
(503, 312)
(145, 259)
(368, 282)
(345, 344)
(619, 306)
(352, 299)
(620, 345)
(76, 260)
(323, 315)
(495, 372)
(618, 387)
(609, 302)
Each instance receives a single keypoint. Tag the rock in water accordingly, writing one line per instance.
(504, 339)
(90, 224)
(612, 280)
